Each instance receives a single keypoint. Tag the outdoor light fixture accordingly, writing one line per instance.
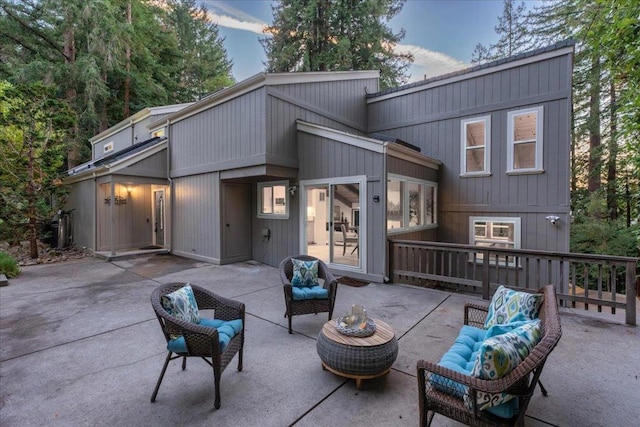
(552, 219)
(292, 189)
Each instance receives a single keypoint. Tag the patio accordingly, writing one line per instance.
(81, 346)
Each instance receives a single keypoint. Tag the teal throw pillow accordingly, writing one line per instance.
(508, 306)
(181, 304)
(305, 273)
(500, 355)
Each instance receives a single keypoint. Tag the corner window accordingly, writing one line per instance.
(411, 203)
(524, 140)
(273, 200)
(494, 232)
(476, 144)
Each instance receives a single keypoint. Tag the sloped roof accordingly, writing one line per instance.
(125, 153)
(514, 58)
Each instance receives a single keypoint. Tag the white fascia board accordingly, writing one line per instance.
(223, 95)
(140, 115)
(473, 74)
(257, 81)
(340, 136)
(319, 76)
(404, 153)
(168, 109)
(128, 161)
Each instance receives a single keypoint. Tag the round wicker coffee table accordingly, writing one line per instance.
(357, 358)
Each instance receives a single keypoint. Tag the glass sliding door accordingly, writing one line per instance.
(332, 222)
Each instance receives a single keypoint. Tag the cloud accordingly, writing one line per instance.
(429, 63)
(230, 22)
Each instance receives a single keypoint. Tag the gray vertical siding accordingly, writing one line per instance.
(221, 137)
(430, 119)
(81, 202)
(196, 217)
(121, 139)
(325, 158)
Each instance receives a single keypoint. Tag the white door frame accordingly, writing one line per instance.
(361, 180)
(154, 241)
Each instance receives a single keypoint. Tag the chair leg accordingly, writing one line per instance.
(216, 381)
(290, 329)
(544, 390)
(184, 363)
(164, 369)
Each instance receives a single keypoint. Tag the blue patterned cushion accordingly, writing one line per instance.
(181, 304)
(499, 355)
(226, 330)
(509, 306)
(305, 273)
(315, 292)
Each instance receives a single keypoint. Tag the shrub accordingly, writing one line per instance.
(8, 266)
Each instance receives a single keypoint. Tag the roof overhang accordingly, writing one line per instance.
(115, 166)
(260, 80)
(137, 117)
(375, 145)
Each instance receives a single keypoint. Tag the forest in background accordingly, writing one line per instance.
(90, 64)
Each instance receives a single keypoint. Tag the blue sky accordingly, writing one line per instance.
(441, 34)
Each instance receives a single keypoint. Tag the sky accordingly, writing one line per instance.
(441, 34)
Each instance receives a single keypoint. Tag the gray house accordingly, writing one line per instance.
(328, 165)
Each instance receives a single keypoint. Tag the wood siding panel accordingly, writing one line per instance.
(437, 133)
(347, 160)
(82, 202)
(229, 131)
(196, 217)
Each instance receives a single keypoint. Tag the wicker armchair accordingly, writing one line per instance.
(520, 382)
(294, 308)
(201, 341)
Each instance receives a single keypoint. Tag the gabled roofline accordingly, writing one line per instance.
(377, 146)
(259, 80)
(559, 49)
(135, 118)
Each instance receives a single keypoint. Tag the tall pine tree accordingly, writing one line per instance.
(333, 35)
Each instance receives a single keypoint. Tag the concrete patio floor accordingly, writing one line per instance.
(80, 346)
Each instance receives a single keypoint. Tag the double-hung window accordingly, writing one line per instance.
(273, 200)
(524, 140)
(495, 232)
(476, 146)
(411, 203)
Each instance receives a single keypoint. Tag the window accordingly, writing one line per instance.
(273, 200)
(158, 133)
(108, 147)
(494, 233)
(476, 144)
(411, 203)
(524, 143)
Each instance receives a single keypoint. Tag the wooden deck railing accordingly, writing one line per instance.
(580, 279)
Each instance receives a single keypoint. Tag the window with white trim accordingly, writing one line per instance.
(476, 146)
(524, 140)
(108, 147)
(494, 232)
(273, 200)
(411, 203)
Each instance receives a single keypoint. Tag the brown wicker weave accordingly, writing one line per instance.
(520, 382)
(294, 308)
(202, 341)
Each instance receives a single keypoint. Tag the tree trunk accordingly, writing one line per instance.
(74, 156)
(612, 196)
(594, 181)
(31, 206)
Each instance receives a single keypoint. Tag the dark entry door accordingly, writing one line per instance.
(236, 222)
(158, 197)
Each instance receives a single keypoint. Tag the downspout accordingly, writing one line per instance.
(171, 189)
(383, 201)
